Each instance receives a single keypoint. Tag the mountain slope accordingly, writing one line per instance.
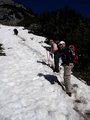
(6, 2)
(14, 14)
(29, 89)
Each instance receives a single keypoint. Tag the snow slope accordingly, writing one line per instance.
(29, 90)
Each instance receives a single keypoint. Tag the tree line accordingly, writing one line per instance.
(68, 25)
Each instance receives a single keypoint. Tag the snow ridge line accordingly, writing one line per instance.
(48, 63)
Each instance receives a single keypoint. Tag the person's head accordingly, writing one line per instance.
(51, 41)
(57, 41)
(62, 44)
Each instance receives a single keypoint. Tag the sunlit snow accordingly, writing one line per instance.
(29, 89)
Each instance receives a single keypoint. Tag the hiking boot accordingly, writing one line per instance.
(69, 93)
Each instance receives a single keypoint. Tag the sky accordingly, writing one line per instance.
(29, 89)
(38, 6)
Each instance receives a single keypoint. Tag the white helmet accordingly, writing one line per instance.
(61, 42)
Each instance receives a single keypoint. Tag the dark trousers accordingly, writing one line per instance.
(56, 61)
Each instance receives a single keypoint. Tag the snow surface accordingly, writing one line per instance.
(28, 87)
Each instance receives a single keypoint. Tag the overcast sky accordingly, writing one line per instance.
(38, 6)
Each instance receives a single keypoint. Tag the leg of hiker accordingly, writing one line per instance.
(67, 79)
(56, 61)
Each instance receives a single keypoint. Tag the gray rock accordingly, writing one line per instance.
(6, 2)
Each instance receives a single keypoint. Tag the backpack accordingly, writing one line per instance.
(73, 56)
(15, 31)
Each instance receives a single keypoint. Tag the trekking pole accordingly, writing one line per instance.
(47, 56)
